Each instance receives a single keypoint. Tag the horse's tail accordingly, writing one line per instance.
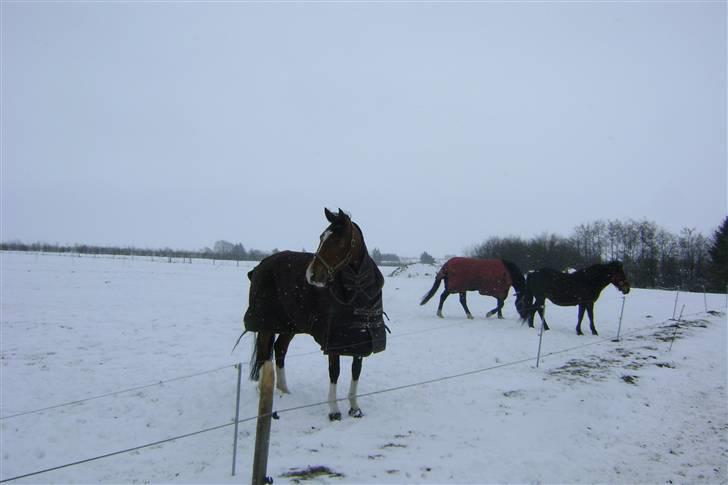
(529, 309)
(438, 278)
(255, 364)
(523, 296)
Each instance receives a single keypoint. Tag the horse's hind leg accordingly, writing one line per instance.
(354, 409)
(281, 347)
(590, 312)
(580, 318)
(541, 307)
(443, 297)
(334, 370)
(464, 303)
(262, 352)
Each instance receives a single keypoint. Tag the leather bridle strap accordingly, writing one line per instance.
(331, 270)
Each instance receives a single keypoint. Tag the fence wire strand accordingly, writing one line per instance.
(114, 393)
(366, 394)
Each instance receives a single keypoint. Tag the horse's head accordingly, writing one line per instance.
(341, 244)
(617, 277)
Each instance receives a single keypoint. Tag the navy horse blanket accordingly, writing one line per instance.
(345, 318)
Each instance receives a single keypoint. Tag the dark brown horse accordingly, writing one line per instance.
(334, 295)
(492, 277)
(581, 288)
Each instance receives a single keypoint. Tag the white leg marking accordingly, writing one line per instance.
(281, 380)
(333, 405)
(352, 394)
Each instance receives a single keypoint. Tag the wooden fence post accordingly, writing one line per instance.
(262, 431)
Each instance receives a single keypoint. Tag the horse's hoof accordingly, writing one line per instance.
(594, 332)
(334, 416)
(440, 315)
(579, 332)
(470, 317)
(500, 317)
(489, 314)
(356, 413)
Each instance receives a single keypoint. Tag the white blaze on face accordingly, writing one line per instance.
(309, 270)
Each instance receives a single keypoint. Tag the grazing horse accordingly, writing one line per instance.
(492, 277)
(568, 289)
(334, 295)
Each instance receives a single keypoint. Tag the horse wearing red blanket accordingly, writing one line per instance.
(492, 277)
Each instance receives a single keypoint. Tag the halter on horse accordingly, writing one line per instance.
(334, 295)
(581, 288)
(492, 277)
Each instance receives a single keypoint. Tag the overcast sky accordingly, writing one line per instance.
(436, 125)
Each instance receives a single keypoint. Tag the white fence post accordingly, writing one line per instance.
(619, 329)
(674, 308)
(677, 325)
(237, 417)
(540, 339)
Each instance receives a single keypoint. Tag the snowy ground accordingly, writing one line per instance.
(83, 329)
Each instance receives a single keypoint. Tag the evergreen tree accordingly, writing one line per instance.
(718, 251)
(426, 258)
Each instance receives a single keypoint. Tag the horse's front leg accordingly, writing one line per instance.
(464, 303)
(498, 309)
(334, 370)
(354, 409)
(281, 347)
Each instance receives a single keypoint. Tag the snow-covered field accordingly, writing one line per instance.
(103, 355)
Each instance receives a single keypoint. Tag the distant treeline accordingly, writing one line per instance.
(652, 256)
(234, 252)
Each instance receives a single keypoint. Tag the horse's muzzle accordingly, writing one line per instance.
(316, 274)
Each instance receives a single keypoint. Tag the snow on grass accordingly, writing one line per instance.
(593, 411)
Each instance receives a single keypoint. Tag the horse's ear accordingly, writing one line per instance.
(330, 216)
(342, 216)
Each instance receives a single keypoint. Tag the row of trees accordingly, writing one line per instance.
(224, 251)
(652, 256)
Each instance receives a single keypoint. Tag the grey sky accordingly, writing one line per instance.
(436, 125)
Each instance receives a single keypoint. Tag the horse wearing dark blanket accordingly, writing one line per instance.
(334, 295)
(492, 277)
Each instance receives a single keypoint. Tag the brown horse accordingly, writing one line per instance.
(334, 295)
(492, 277)
(581, 288)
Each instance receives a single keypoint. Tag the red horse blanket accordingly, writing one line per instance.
(486, 276)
